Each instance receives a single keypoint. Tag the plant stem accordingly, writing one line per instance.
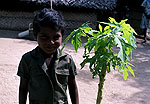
(101, 84)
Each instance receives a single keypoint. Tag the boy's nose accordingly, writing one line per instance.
(51, 41)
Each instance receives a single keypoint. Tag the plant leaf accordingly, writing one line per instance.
(112, 20)
(121, 53)
(76, 41)
(91, 43)
(130, 69)
(85, 27)
(100, 28)
(87, 60)
(125, 73)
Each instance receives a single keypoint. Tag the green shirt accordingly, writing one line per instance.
(46, 85)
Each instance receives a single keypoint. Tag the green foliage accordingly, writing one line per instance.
(99, 49)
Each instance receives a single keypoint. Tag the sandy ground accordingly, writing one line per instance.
(135, 90)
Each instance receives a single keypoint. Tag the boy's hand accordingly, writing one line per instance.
(73, 90)
(23, 90)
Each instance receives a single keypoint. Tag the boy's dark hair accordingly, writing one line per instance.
(48, 18)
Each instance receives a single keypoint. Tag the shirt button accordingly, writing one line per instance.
(60, 102)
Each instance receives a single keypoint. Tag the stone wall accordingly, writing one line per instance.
(75, 19)
(135, 20)
(15, 20)
(20, 20)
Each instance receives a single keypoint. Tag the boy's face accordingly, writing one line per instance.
(49, 39)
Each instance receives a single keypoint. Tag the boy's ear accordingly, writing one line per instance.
(35, 35)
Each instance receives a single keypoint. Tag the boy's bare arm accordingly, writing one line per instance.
(23, 90)
(73, 90)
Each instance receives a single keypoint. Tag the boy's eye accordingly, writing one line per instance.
(43, 37)
(56, 37)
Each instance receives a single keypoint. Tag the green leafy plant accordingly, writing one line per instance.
(99, 49)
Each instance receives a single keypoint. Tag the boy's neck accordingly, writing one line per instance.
(45, 55)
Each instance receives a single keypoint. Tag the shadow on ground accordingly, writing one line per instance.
(141, 61)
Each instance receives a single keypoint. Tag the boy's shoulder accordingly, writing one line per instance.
(31, 53)
(66, 58)
(35, 54)
(65, 55)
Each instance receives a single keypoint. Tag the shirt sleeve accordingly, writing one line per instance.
(23, 70)
(73, 68)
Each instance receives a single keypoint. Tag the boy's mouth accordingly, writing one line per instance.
(50, 48)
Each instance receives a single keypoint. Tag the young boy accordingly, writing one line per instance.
(42, 74)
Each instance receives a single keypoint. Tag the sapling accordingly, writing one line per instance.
(99, 49)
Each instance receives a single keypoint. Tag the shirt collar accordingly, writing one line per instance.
(39, 53)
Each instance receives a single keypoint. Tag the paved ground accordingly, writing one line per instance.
(116, 90)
